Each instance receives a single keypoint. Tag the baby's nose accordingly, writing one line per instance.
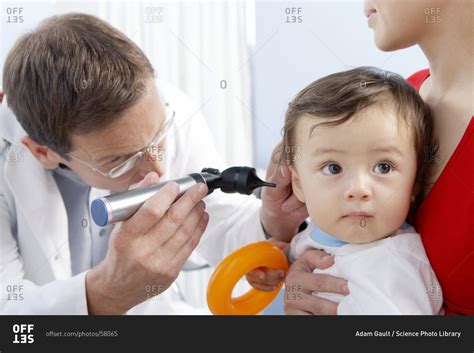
(359, 190)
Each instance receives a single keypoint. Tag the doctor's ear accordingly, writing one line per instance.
(296, 184)
(45, 155)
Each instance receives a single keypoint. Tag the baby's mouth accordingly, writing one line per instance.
(357, 216)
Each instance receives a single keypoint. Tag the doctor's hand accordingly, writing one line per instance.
(281, 213)
(301, 282)
(147, 251)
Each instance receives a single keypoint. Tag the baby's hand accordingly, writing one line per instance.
(267, 279)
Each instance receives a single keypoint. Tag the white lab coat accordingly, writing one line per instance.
(34, 247)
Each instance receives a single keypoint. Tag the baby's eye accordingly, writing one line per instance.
(383, 168)
(331, 169)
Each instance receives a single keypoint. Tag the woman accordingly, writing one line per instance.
(443, 30)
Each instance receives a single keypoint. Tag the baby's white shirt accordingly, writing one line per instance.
(390, 276)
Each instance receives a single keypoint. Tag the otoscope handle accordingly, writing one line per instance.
(119, 207)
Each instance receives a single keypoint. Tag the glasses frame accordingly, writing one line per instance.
(128, 164)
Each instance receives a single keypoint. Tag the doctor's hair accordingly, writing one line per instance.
(340, 96)
(74, 74)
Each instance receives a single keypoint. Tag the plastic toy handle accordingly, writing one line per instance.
(232, 269)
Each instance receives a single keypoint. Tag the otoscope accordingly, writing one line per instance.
(119, 207)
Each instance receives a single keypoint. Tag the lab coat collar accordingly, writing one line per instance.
(10, 128)
(37, 196)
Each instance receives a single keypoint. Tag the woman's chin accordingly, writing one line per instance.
(390, 44)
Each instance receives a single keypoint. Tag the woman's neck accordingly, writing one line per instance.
(449, 49)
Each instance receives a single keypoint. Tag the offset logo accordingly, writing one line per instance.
(23, 333)
(14, 15)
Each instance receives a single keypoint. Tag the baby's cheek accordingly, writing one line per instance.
(321, 210)
(395, 212)
(313, 208)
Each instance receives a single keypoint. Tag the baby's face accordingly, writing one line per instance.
(356, 178)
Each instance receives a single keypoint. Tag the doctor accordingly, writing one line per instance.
(82, 117)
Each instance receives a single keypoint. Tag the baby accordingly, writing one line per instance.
(356, 144)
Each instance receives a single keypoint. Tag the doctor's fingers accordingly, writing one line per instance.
(275, 161)
(292, 204)
(149, 179)
(308, 303)
(152, 211)
(177, 215)
(185, 251)
(282, 178)
(186, 231)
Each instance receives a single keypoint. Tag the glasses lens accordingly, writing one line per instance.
(153, 149)
(125, 167)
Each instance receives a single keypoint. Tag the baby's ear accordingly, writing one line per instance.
(296, 184)
(417, 188)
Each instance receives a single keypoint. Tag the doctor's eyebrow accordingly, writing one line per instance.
(111, 157)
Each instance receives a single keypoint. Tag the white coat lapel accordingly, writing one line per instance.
(37, 197)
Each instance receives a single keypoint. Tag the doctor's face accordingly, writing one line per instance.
(110, 147)
(357, 177)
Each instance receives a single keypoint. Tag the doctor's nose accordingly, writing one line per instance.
(151, 162)
(358, 190)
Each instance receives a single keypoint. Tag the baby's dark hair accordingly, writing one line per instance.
(343, 94)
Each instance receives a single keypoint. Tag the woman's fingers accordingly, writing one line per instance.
(291, 311)
(314, 282)
(301, 282)
(308, 303)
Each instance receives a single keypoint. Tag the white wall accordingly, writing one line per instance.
(332, 36)
(32, 13)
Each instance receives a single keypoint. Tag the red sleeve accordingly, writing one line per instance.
(418, 78)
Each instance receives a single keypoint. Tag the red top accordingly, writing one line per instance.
(445, 220)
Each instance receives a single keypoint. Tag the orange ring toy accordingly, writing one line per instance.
(232, 269)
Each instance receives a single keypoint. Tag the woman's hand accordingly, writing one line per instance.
(301, 282)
